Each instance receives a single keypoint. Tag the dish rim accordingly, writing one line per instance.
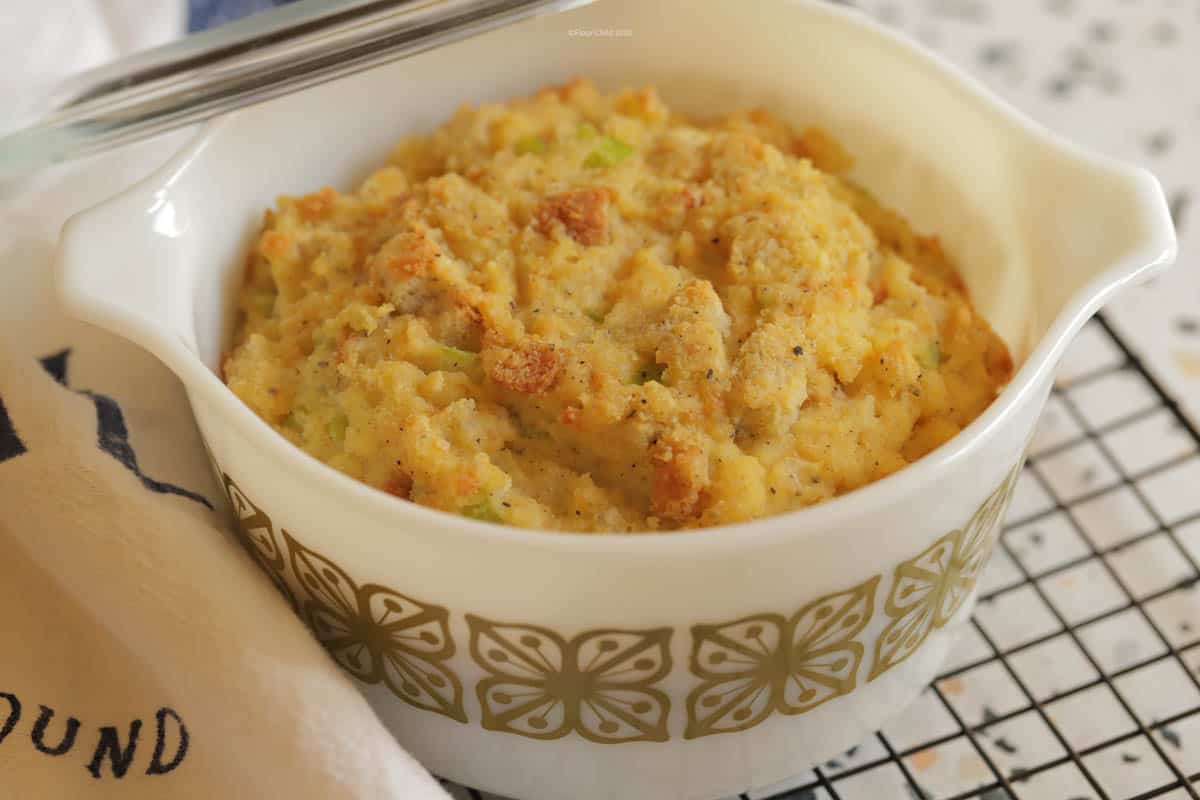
(1156, 252)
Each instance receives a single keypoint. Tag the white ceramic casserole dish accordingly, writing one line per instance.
(676, 665)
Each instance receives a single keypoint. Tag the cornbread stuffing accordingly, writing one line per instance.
(585, 312)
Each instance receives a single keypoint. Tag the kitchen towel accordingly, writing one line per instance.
(141, 653)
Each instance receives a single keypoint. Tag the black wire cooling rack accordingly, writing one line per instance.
(1077, 677)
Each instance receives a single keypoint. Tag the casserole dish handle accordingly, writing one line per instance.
(118, 267)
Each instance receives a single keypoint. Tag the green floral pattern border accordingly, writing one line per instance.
(603, 685)
(376, 634)
(927, 591)
(766, 663)
(599, 684)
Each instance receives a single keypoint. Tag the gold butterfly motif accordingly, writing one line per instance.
(769, 663)
(930, 589)
(598, 684)
(379, 635)
(257, 535)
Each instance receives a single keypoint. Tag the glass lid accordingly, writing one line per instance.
(260, 57)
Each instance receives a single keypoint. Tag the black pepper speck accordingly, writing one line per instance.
(1060, 87)
(1101, 31)
(997, 53)
(1173, 738)
(1179, 205)
(1159, 142)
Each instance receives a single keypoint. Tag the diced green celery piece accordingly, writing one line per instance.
(931, 356)
(531, 145)
(650, 371)
(586, 131)
(264, 301)
(530, 432)
(526, 430)
(767, 296)
(482, 511)
(337, 427)
(454, 359)
(608, 153)
(595, 314)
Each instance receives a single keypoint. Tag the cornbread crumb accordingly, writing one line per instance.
(529, 368)
(583, 213)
